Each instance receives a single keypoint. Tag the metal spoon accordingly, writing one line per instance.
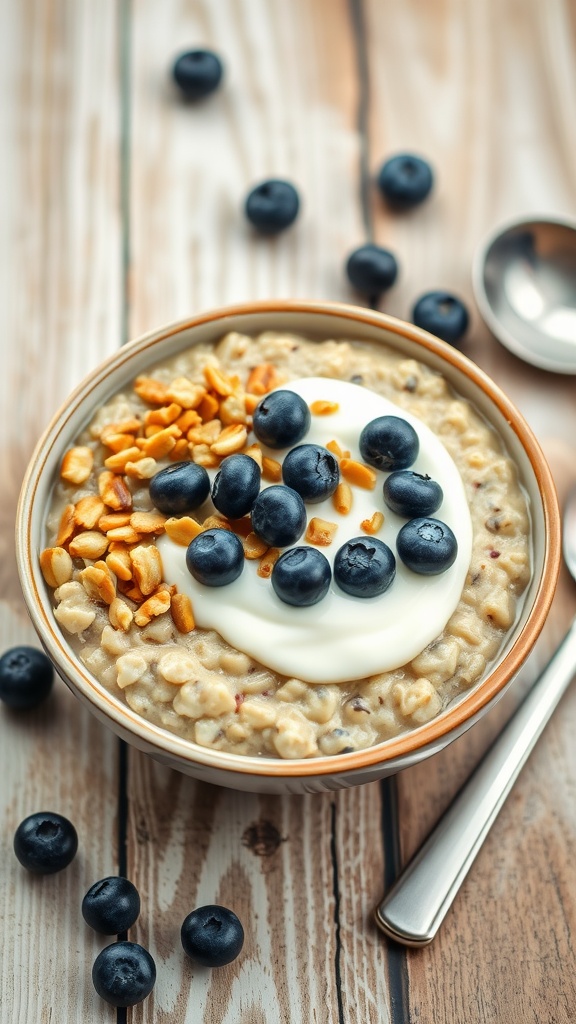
(413, 910)
(524, 280)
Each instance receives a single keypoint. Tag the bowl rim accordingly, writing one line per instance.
(165, 743)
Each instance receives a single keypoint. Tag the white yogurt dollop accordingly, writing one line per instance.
(341, 637)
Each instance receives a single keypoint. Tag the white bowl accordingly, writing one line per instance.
(313, 320)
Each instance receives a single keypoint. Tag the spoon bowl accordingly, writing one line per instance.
(524, 279)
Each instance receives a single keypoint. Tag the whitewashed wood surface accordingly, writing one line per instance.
(120, 209)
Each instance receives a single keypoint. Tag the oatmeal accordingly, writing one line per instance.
(144, 634)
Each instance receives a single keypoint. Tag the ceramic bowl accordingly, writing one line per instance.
(314, 320)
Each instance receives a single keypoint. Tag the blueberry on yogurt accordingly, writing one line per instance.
(364, 567)
(179, 489)
(312, 471)
(301, 576)
(236, 486)
(215, 557)
(405, 180)
(281, 419)
(427, 546)
(389, 442)
(411, 494)
(279, 516)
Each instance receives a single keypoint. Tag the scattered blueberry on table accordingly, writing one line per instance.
(197, 73)
(405, 180)
(45, 842)
(364, 567)
(301, 576)
(427, 546)
(281, 419)
(411, 494)
(215, 557)
(371, 270)
(312, 471)
(26, 677)
(111, 906)
(180, 488)
(212, 936)
(279, 516)
(272, 206)
(442, 314)
(124, 973)
(236, 486)
(389, 442)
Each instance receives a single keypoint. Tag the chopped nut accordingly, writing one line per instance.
(186, 393)
(253, 451)
(208, 407)
(127, 426)
(88, 510)
(114, 492)
(155, 392)
(56, 566)
(267, 563)
(241, 526)
(77, 465)
(120, 614)
(216, 522)
(146, 567)
(320, 532)
(161, 443)
(130, 668)
(176, 667)
(98, 584)
(131, 590)
(335, 448)
(342, 498)
(190, 418)
(180, 451)
(373, 524)
(182, 613)
(119, 442)
(156, 605)
(182, 530)
(206, 433)
(118, 460)
(126, 534)
(271, 469)
(67, 525)
(232, 439)
(112, 520)
(233, 409)
(250, 403)
(218, 381)
(324, 408)
(148, 522)
(151, 429)
(263, 378)
(359, 474)
(254, 547)
(166, 415)
(89, 544)
(142, 470)
(202, 455)
(120, 563)
(72, 617)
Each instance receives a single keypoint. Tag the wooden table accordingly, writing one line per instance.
(121, 209)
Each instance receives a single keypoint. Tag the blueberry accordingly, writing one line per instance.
(301, 576)
(124, 973)
(411, 494)
(371, 270)
(279, 516)
(45, 842)
(281, 419)
(215, 557)
(389, 442)
(236, 486)
(197, 73)
(26, 677)
(405, 180)
(364, 567)
(212, 936)
(427, 546)
(272, 206)
(111, 905)
(179, 489)
(441, 314)
(312, 471)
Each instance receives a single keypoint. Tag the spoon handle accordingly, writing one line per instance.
(413, 910)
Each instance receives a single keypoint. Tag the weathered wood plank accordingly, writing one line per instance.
(60, 290)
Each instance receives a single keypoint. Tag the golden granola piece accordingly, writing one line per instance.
(77, 464)
(182, 613)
